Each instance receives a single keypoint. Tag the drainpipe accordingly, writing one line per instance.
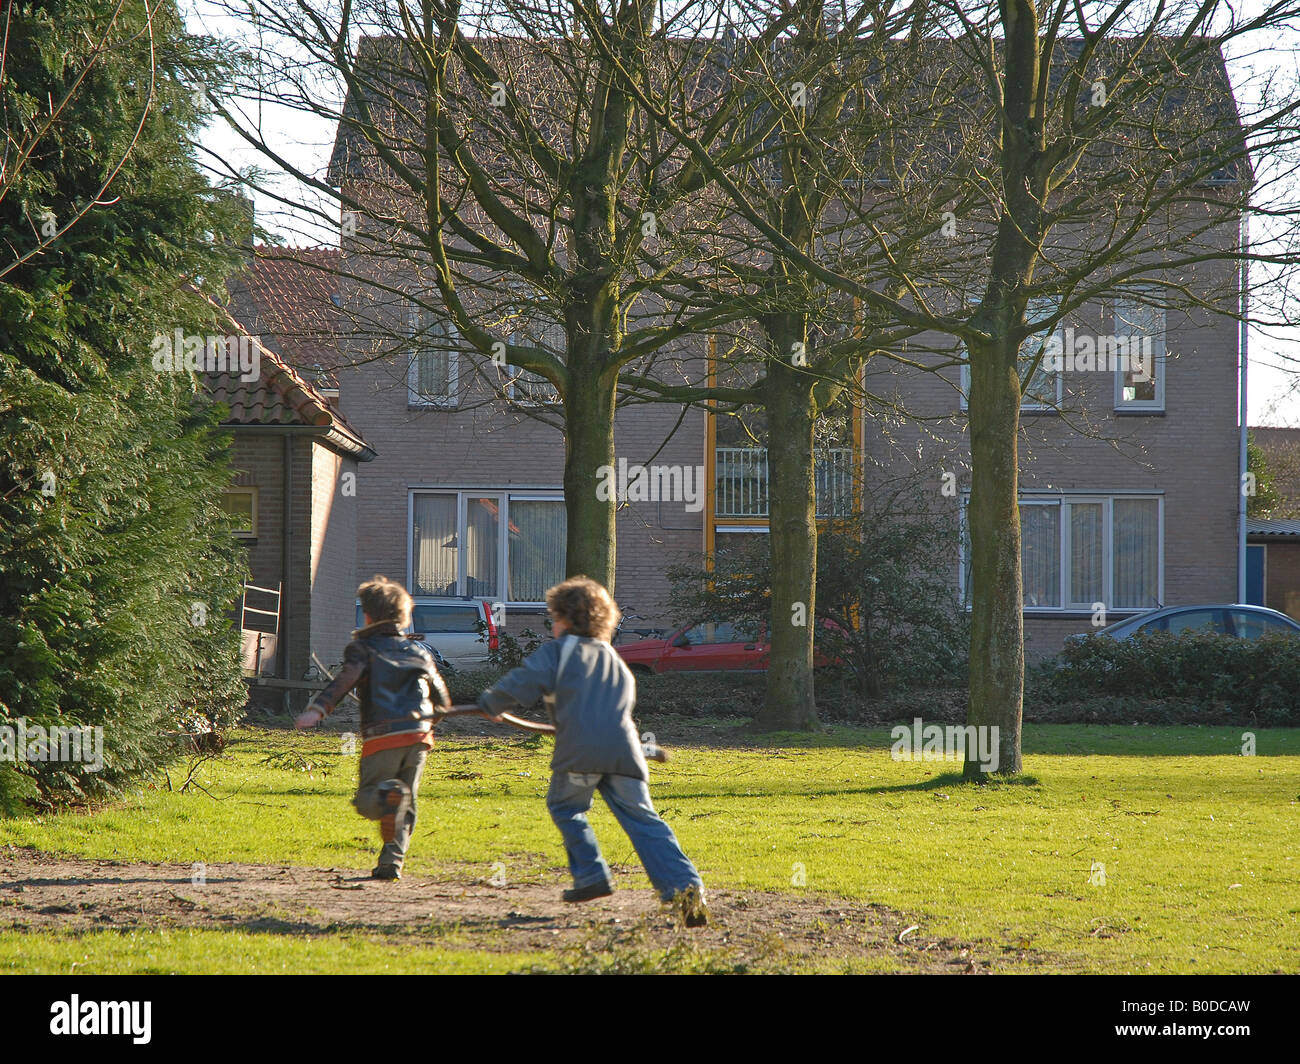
(1243, 301)
(286, 556)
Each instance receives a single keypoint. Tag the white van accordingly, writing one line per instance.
(461, 631)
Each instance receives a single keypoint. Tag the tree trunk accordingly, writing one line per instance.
(870, 684)
(792, 526)
(588, 445)
(997, 652)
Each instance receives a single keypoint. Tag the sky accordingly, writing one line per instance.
(1274, 351)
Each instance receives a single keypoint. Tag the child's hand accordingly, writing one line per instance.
(309, 717)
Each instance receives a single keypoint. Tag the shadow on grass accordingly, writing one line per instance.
(1071, 740)
(948, 781)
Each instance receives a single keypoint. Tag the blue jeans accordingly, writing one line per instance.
(628, 798)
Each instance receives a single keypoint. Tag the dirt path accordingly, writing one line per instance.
(40, 892)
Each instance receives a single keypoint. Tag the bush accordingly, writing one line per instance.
(465, 685)
(885, 601)
(117, 567)
(1200, 677)
(700, 694)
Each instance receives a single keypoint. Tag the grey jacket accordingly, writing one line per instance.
(592, 705)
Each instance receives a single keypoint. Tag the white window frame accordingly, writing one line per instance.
(414, 397)
(503, 496)
(1065, 500)
(1027, 405)
(1061, 556)
(509, 372)
(1159, 361)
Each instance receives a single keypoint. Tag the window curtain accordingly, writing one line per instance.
(1136, 539)
(964, 533)
(482, 547)
(1087, 572)
(1040, 554)
(435, 544)
(431, 352)
(550, 336)
(1040, 388)
(538, 530)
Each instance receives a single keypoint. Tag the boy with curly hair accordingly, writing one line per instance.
(400, 689)
(591, 694)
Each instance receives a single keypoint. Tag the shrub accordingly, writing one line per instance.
(117, 568)
(465, 685)
(1211, 678)
(885, 599)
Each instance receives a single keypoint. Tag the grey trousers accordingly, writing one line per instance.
(405, 763)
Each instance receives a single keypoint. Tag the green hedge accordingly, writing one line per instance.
(1198, 678)
(1153, 679)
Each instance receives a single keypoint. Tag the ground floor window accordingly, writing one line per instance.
(499, 545)
(1078, 551)
(241, 505)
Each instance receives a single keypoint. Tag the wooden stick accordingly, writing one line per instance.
(652, 753)
(507, 718)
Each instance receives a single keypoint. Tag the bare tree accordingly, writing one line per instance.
(818, 119)
(493, 172)
(1113, 158)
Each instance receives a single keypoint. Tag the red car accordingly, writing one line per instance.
(708, 647)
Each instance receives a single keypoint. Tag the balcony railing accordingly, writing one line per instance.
(742, 482)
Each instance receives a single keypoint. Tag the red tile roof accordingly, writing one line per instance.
(288, 299)
(281, 396)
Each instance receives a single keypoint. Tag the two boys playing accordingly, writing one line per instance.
(591, 694)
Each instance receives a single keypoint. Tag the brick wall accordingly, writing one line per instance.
(333, 553)
(257, 461)
(494, 447)
(296, 618)
(486, 443)
(1188, 454)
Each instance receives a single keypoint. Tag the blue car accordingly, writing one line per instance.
(1241, 621)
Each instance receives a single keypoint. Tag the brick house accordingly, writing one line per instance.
(464, 497)
(296, 459)
(1129, 489)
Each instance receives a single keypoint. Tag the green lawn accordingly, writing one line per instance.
(1198, 843)
(188, 951)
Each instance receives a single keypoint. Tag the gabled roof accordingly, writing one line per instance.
(288, 298)
(1197, 100)
(281, 398)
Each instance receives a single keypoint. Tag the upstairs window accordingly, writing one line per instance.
(1140, 338)
(1040, 386)
(523, 386)
(433, 361)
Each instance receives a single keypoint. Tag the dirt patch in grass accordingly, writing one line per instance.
(748, 931)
